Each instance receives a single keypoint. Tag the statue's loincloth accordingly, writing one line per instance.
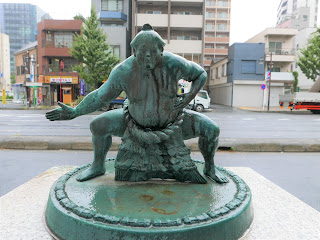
(145, 154)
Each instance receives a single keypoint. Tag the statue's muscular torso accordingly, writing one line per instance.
(152, 93)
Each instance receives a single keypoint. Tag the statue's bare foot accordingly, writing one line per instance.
(216, 176)
(91, 173)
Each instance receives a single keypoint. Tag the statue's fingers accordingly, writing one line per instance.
(52, 114)
(63, 106)
(54, 118)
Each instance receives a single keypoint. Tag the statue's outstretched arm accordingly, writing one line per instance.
(92, 102)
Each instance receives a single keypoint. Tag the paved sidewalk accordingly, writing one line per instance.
(84, 143)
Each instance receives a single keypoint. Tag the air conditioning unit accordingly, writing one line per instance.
(286, 53)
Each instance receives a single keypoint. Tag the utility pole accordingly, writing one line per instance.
(269, 90)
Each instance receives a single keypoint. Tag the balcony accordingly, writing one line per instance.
(282, 77)
(112, 16)
(49, 48)
(215, 51)
(281, 55)
(186, 21)
(155, 20)
(184, 46)
(176, 21)
(54, 69)
(217, 40)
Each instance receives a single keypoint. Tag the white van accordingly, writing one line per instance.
(201, 101)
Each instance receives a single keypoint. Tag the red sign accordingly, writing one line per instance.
(263, 86)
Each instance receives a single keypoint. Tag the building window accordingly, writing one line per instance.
(209, 15)
(153, 12)
(217, 72)
(63, 39)
(305, 18)
(18, 70)
(223, 70)
(209, 3)
(276, 69)
(116, 50)
(222, 15)
(222, 3)
(222, 26)
(184, 13)
(275, 47)
(209, 26)
(297, 47)
(248, 66)
(112, 5)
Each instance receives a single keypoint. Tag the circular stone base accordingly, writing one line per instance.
(103, 208)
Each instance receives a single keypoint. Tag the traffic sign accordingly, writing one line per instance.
(263, 86)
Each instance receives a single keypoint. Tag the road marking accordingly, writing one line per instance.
(30, 115)
(283, 119)
(248, 119)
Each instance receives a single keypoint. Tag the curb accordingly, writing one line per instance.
(84, 144)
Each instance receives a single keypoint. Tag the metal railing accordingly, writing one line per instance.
(282, 51)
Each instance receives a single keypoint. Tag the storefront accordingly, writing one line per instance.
(64, 89)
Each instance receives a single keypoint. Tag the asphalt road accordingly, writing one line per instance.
(234, 123)
(297, 173)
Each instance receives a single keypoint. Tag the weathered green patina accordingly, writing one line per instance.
(154, 123)
(103, 208)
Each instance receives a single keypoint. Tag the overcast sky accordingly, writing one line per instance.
(248, 17)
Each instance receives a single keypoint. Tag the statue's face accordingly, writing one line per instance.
(148, 55)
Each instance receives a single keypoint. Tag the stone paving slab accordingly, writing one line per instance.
(278, 214)
(84, 143)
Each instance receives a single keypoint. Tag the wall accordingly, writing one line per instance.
(239, 52)
(221, 94)
(117, 36)
(247, 94)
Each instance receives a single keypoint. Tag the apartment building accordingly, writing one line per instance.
(115, 21)
(5, 82)
(280, 51)
(216, 30)
(305, 10)
(55, 39)
(179, 22)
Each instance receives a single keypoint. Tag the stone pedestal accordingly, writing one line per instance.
(103, 208)
(278, 214)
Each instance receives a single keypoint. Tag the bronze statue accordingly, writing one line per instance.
(153, 123)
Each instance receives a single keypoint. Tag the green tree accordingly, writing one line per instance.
(79, 17)
(309, 61)
(296, 80)
(13, 78)
(93, 53)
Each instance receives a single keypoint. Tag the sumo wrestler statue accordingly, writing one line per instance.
(153, 122)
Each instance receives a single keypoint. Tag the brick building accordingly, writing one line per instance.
(55, 39)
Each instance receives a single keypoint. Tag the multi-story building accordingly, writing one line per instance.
(217, 30)
(179, 23)
(280, 54)
(237, 80)
(304, 18)
(55, 38)
(5, 81)
(26, 74)
(19, 21)
(114, 17)
(305, 10)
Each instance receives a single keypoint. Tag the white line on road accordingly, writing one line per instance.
(283, 119)
(248, 119)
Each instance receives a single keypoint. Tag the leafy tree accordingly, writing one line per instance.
(93, 52)
(309, 61)
(296, 80)
(13, 78)
(79, 17)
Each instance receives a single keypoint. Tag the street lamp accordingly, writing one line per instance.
(270, 69)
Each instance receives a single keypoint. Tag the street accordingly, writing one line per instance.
(234, 123)
(297, 173)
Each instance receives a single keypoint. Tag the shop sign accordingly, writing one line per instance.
(64, 79)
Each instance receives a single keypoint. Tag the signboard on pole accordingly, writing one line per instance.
(263, 86)
(82, 87)
(4, 100)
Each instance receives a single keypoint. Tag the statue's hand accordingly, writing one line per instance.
(182, 101)
(63, 113)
